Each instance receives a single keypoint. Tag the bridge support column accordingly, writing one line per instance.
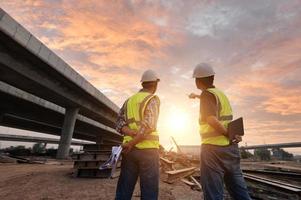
(67, 133)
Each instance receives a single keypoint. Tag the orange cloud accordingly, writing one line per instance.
(112, 35)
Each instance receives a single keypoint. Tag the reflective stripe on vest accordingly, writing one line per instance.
(135, 107)
(224, 114)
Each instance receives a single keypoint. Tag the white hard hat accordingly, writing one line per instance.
(149, 76)
(203, 70)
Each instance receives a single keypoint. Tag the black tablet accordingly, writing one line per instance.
(236, 127)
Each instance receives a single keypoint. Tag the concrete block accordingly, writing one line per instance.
(2, 13)
(22, 35)
(8, 25)
(53, 60)
(44, 53)
(34, 45)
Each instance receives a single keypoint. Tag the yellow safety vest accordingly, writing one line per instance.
(135, 107)
(208, 133)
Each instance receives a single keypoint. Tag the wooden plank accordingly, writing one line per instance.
(166, 165)
(166, 160)
(175, 175)
(187, 182)
(181, 170)
(196, 182)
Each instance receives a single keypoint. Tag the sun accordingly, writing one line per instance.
(177, 121)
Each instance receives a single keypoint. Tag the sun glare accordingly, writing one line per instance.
(177, 121)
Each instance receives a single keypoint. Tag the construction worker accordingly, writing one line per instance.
(220, 158)
(137, 122)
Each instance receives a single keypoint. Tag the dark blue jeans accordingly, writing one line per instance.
(219, 165)
(143, 164)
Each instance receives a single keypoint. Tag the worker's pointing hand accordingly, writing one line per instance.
(193, 96)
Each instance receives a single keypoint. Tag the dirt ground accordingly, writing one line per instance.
(55, 181)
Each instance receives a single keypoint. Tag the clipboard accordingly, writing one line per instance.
(236, 127)
(112, 162)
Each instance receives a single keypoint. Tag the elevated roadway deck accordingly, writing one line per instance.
(37, 78)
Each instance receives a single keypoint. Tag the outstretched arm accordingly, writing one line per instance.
(193, 96)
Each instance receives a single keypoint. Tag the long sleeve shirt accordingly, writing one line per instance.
(150, 119)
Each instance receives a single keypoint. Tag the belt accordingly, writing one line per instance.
(220, 118)
(211, 134)
(150, 137)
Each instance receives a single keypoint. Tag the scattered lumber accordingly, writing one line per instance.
(175, 175)
(179, 167)
(196, 183)
(178, 148)
(187, 182)
(166, 164)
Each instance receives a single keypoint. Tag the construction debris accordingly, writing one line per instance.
(187, 182)
(178, 166)
(175, 175)
(7, 159)
(196, 183)
(166, 165)
(178, 148)
(16, 159)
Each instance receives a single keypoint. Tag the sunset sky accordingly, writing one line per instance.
(254, 46)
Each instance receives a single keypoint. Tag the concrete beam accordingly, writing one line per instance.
(22, 138)
(28, 109)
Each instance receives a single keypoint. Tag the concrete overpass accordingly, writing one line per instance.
(40, 92)
(22, 138)
(273, 146)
